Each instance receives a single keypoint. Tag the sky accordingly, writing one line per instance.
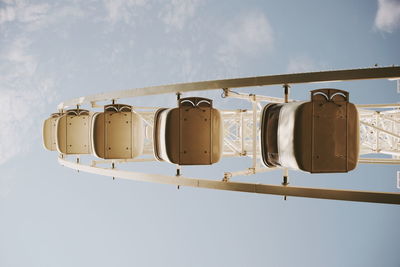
(52, 51)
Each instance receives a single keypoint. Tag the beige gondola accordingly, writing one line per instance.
(318, 136)
(117, 133)
(190, 134)
(49, 132)
(73, 132)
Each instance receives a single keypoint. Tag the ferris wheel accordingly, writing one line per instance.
(326, 134)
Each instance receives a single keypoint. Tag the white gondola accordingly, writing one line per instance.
(317, 136)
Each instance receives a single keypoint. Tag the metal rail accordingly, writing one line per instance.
(321, 193)
(383, 161)
(310, 77)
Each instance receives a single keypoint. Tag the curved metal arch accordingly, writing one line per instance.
(310, 77)
(295, 191)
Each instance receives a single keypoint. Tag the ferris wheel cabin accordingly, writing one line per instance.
(191, 134)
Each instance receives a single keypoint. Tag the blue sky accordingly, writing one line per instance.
(51, 51)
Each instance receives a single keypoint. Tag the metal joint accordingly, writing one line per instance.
(227, 177)
(251, 170)
(225, 92)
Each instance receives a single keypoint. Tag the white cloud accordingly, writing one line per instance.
(65, 12)
(249, 35)
(23, 93)
(178, 12)
(7, 14)
(38, 16)
(24, 12)
(301, 64)
(31, 13)
(21, 63)
(388, 16)
(122, 10)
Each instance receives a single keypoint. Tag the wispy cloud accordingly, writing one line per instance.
(301, 64)
(246, 36)
(388, 15)
(177, 13)
(7, 14)
(122, 10)
(24, 12)
(23, 92)
(6, 184)
(33, 17)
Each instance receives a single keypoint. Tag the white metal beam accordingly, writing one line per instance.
(322, 193)
(310, 77)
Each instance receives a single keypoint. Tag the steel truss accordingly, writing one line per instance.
(379, 133)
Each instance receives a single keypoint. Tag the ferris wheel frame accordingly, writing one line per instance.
(225, 182)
